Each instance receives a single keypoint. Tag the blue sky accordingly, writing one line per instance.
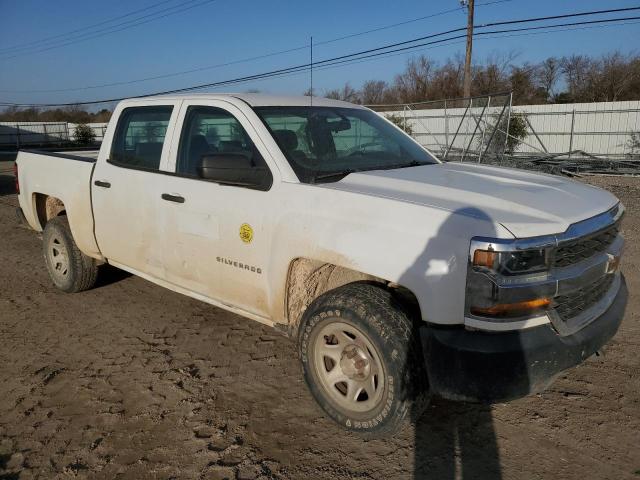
(222, 31)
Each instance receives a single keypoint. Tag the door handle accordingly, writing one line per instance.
(100, 183)
(172, 198)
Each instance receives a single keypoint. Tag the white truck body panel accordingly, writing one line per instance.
(527, 204)
(69, 181)
(409, 226)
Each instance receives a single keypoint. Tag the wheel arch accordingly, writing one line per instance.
(47, 207)
(307, 279)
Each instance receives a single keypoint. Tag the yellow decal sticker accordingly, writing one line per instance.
(246, 233)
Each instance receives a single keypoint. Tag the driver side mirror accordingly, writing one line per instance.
(234, 168)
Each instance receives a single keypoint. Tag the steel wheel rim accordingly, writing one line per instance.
(348, 367)
(58, 258)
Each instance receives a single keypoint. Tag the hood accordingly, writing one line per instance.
(527, 204)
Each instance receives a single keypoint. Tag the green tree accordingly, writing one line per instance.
(84, 134)
(518, 131)
(634, 142)
(398, 121)
(500, 141)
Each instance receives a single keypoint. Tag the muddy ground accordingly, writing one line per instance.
(133, 381)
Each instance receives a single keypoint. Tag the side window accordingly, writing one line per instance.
(209, 130)
(140, 136)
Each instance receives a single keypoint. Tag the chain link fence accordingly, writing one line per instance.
(561, 138)
(600, 137)
(15, 135)
(462, 129)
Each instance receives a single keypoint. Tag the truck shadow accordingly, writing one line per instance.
(455, 440)
(7, 185)
(109, 274)
(452, 440)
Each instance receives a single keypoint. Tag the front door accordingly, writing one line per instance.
(218, 238)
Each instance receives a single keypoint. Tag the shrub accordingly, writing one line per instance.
(634, 142)
(398, 121)
(518, 131)
(84, 134)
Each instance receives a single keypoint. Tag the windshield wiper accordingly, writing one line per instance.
(413, 163)
(341, 174)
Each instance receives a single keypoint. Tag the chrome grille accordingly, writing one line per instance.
(575, 251)
(571, 305)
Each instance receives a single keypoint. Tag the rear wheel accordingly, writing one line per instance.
(70, 270)
(361, 359)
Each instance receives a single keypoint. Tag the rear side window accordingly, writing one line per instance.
(140, 136)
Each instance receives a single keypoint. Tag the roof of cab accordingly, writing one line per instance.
(259, 99)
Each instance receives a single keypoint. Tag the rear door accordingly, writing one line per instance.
(218, 238)
(128, 184)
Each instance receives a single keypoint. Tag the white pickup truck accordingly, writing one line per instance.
(398, 274)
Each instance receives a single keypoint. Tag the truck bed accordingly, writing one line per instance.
(82, 155)
(63, 178)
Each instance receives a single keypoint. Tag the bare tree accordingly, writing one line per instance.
(576, 70)
(619, 72)
(610, 77)
(374, 92)
(347, 93)
(73, 114)
(447, 81)
(547, 74)
(413, 84)
(526, 90)
(493, 77)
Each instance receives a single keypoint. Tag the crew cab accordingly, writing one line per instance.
(399, 275)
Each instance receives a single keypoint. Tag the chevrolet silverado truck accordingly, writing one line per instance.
(399, 275)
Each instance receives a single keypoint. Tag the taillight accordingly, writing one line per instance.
(15, 172)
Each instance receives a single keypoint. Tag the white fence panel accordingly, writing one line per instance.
(603, 128)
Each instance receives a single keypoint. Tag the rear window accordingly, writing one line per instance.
(139, 137)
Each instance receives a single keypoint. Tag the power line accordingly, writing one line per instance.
(301, 68)
(486, 25)
(88, 27)
(349, 58)
(112, 29)
(494, 34)
(259, 57)
(445, 42)
(406, 22)
(250, 59)
(169, 75)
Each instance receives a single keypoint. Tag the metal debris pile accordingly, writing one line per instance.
(578, 162)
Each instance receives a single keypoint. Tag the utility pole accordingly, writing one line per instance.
(467, 59)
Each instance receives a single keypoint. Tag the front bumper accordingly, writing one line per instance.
(489, 367)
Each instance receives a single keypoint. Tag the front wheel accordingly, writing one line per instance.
(361, 359)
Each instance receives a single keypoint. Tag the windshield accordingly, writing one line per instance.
(324, 144)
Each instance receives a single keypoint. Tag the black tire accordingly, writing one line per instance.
(400, 389)
(69, 269)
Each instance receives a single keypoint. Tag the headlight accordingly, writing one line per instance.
(496, 266)
(511, 263)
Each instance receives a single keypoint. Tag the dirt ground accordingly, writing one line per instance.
(133, 381)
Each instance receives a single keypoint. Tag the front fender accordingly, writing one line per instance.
(423, 249)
